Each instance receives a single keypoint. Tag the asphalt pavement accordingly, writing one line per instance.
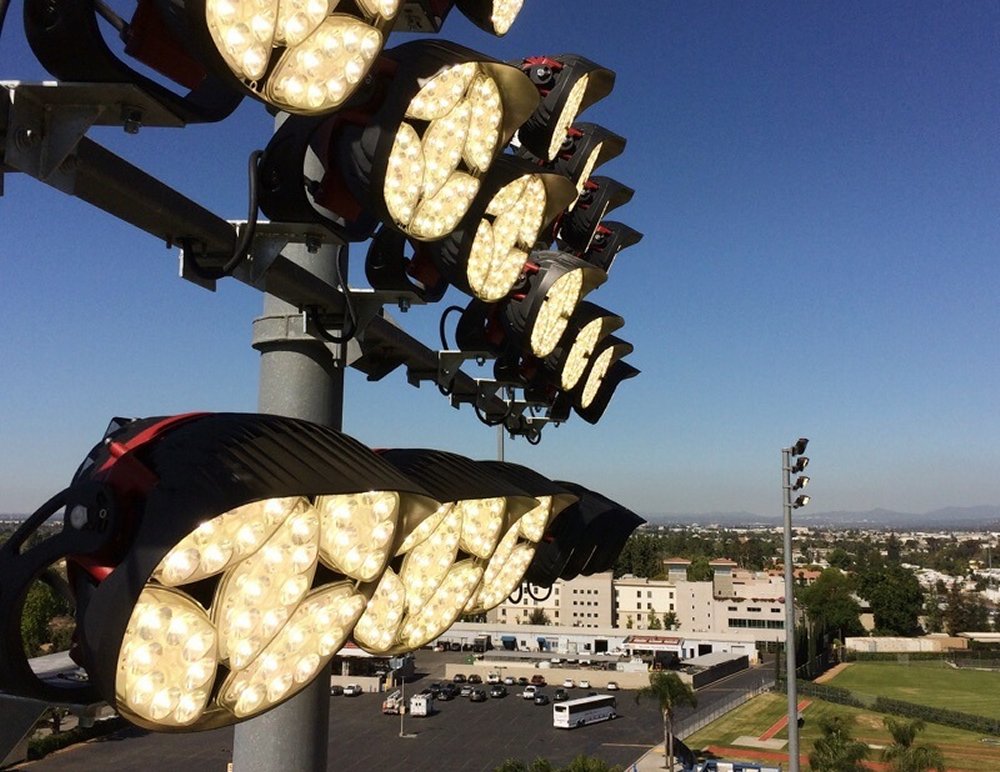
(461, 735)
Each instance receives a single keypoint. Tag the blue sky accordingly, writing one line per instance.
(819, 191)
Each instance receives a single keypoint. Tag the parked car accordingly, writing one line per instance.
(509, 680)
(498, 690)
(434, 689)
(529, 692)
(475, 678)
(466, 690)
(569, 683)
(538, 680)
(584, 684)
(612, 686)
(458, 678)
(561, 695)
(336, 690)
(455, 646)
(541, 699)
(478, 695)
(523, 680)
(448, 692)
(493, 678)
(353, 690)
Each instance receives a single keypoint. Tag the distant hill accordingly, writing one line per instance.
(986, 517)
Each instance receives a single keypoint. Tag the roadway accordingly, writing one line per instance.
(462, 735)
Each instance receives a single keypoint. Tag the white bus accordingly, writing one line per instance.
(585, 710)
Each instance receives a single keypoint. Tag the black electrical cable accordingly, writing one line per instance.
(352, 327)
(246, 236)
(444, 317)
(245, 241)
(537, 599)
(491, 421)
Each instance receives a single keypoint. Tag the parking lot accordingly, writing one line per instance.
(461, 735)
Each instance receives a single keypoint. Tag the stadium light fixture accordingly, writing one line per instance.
(609, 239)
(67, 39)
(579, 227)
(411, 150)
(568, 84)
(533, 319)
(439, 564)
(210, 557)
(484, 256)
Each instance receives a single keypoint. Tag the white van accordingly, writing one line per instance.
(529, 692)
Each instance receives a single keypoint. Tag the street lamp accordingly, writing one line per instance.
(788, 469)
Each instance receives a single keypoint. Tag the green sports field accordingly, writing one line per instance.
(926, 683)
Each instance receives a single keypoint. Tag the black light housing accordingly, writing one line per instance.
(800, 464)
(493, 16)
(579, 226)
(203, 552)
(568, 84)
(800, 446)
(585, 147)
(67, 40)
(586, 538)
(609, 239)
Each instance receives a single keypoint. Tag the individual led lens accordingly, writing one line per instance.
(485, 118)
(426, 565)
(319, 73)
(553, 316)
(297, 18)
(314, 633)
(586, 171)
(384, 8)
(532, 524)
(482, 520)
(504, 14)
(168, 659)
(440, 95)
(442, 148)
(377, 628)
(569, 111)
(425, 528)
(243, 34)
(438, 216)
(597, 372)
(503, 573)
(255, 599)
(217, 543)
(579, 353)
(404, 175)
(356, 532)
(431, 618)
(532, 203)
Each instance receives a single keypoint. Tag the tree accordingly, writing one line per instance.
(840, 558)
(837, 750)
(699, 570)
(903, 755)
(41, 607)
(895, 597)
(966, 612)
(670, 692)
(539, 617)
(830, 606)
(670, 621)
(653, 623)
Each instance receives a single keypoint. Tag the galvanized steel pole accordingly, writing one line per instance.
(793, 709)
(300, 378)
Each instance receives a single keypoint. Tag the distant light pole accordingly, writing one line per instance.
(788, 468)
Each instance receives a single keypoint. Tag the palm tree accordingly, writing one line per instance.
(669, 691)
(903, 755)
(837, 750)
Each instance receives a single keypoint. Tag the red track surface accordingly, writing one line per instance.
(778, 725)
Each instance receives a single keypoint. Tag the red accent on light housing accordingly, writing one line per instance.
(536, 61)
(151, 41)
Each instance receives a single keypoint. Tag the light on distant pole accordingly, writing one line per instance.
(789, 468)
